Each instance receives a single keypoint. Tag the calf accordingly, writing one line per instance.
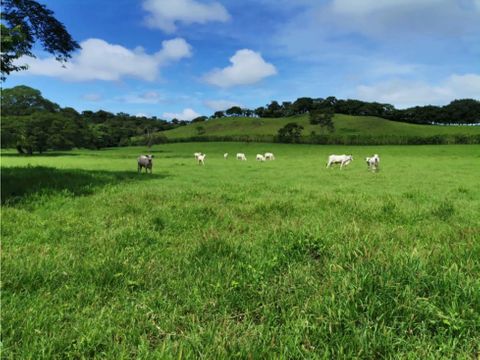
(343, 160)
(269, 156)
(373, 162)
(225, 156)
(260, 157)
(241, 156)
(145, 161)
(201, 159)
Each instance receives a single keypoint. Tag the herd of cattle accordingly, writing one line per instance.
(373, 162)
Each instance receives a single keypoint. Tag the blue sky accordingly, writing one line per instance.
(186, 58)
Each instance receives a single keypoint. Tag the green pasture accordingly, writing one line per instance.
(282, 259)
(344, 125)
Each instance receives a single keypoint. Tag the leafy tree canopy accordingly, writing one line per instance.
(25, 22)
(24, 100)
(290, 133)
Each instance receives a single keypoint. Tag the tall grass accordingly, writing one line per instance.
(283, 259)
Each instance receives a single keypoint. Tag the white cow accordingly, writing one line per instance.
(373, 162)
(201, 159)
(260, 157)
(241, 156)
(269, 156)
(225, 156)
(343, 160)
(145, 161)
(197, 154)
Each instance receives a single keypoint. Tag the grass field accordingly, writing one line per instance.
(284, 259)
(344, 125)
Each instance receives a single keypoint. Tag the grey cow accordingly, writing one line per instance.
(145, 161)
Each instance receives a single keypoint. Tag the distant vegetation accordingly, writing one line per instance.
(465, 111)
(340, 129)
(31, 123)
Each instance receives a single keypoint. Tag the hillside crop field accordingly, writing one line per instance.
(282, 259)
(344, 125)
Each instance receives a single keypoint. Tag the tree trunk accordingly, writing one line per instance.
(20, 149)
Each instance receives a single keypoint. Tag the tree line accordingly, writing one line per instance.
(463, 111)
(31, 123)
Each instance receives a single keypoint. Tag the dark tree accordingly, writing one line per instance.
(199, 119)
(274, 109)
(248, 112)
(290, 133)
(302, 105)
(24, 22)
(218, 114)
(323, 117)
(234, 110)
(260, 111)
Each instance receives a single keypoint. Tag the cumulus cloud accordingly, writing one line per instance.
(164, 14)
(186, 114)
(405, 93)
(100, 60)
(217, 105)
(248, 67)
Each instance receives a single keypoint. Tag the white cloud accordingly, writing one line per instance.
(382, 67)
(99, 60)
(217, 105)
(186, 114)
(405, 93)
(147, 97)
(173, 50)
(140, 114)
(384, 19)
(363, 7)
(248, 67)
(340, 29)
(164, 14)
(94, 97)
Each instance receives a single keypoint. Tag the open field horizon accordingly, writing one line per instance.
(241, 259)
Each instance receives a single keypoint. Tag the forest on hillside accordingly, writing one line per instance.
(31, 123)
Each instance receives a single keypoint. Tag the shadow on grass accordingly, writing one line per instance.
(51, 154)
(20, 183)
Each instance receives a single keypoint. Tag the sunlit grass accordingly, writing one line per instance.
(242, 259)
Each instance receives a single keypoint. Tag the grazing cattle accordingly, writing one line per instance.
(343, 160)
(145, 161)
(225, 156)
(241, 156)
(269, 156)
(201, 159)
(197, 154)
(260, 157)
(373, 162)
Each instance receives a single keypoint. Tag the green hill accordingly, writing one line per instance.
(346, 127)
